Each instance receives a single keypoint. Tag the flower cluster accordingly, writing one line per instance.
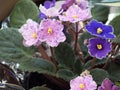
(99, 46)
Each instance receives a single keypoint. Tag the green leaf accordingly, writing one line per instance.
(99, 75)
(11, 46)
(40, 88)
(65, 74)
(83, 37)
(97, 62)
(78, 67)
(38, 65)
(23, 10)
(100, 13)
(117, 39)
(116, 25)
(65, 55)
(114, 71)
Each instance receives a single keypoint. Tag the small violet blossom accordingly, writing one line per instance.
(51, 32)
(99, 47)
(74, 14)
(108, 85)
(83, 83)
(83, 4)
(100, 30)
(49, 12)
(29, 32)
(47, 5)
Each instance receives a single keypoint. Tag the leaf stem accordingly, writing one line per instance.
(93, 63)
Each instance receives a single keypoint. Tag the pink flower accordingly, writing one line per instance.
(50, 12)
(29, 32)
(83, 83)
(51, 32)
(74, 14)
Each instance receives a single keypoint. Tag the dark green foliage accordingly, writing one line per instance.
(11, 46)
(65, 55)
(23, 10)
(100, 13)
(37, 65)
(99, 75)
(116, 24)
(78, 67)
(84, 36)
(114, 71)
(98, 62)
(40, 88)
(65, 74)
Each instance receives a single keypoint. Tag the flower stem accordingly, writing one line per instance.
(93, 63)
(44, 54)
(76, 37)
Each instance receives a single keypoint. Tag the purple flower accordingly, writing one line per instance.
(99, 47)
(74, 14)
(51, 32)
(83, 4)
(67, 4)
(108, 85)
(50, 12)
(29, 32)
(100, 30)
(47, 6)
(83, 83)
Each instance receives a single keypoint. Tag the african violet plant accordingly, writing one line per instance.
(66, 43)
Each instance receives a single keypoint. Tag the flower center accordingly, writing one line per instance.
(82, 86)
(99, 46)
(50, 31)
(75, 16)
(78, 0)
(34, 35)
(99, 31)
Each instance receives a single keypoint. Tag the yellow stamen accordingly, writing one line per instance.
(78, 0)
(34, 35)
(99, 30)
(64, 13)
(75, 16)
(82, 86)
(49, 30)
(99, 46)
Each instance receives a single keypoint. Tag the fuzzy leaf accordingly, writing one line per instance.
(100, 13)
(83, 37)
(78, 67)
(40, 88)
(114, 71)
(65, 74)
(37, 65)
(115, 23)
(11, 46)
(65, 55)
(98, 62)
(99, 75)
(23, 10)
